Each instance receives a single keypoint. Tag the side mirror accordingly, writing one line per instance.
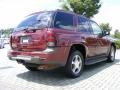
(106, 33)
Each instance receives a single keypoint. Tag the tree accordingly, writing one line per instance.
(6, 32)
(117, 34)
(87, 8)
(106, 27)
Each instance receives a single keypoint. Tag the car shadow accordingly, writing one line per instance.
(57, 77)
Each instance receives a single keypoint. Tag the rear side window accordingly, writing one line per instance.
(83, 25)
(64, 21)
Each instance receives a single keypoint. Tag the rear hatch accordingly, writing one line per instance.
(30, 34)
(29, 41)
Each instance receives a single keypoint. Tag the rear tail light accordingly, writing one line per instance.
(14, 41)
(51, 41)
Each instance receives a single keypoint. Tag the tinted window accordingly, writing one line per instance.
(64, 21)
(83, 25)
(96, 29)
(36, 20)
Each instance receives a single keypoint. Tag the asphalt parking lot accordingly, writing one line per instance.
(101, 76)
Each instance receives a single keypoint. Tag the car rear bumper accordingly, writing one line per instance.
(27, 59)
(56, 56)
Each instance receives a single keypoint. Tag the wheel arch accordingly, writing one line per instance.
(79, 47)
(113, 44)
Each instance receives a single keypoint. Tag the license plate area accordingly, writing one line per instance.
(25, 40)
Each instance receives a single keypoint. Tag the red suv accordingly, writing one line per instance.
(51, 39)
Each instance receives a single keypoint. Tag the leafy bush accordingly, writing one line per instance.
(117, 34)
(6, 32)
(117, 44)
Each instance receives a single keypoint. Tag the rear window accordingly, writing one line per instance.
(40, 20)
(64, 21)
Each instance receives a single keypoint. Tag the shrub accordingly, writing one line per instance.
(117, 44)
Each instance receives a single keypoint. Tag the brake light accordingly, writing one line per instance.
(14, 41)
(51, 39)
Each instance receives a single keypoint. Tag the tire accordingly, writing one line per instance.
(32, 68)
(111, 56)
(74, 65)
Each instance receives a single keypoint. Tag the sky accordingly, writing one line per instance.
(13, 11)
(109, 13)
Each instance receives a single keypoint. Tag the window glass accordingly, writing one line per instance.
(64, 21)
(96, 29)
(83, 24)
(36, 20)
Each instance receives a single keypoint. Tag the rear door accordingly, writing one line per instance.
(86, 34)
